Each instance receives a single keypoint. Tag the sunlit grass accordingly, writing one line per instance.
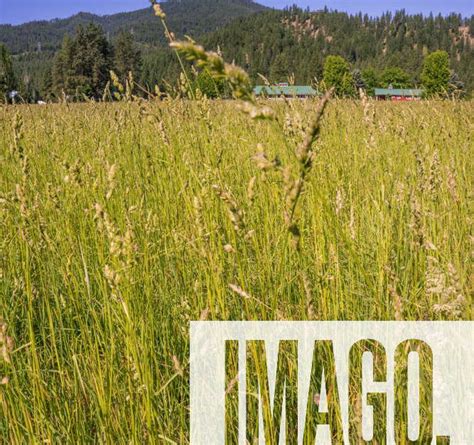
(117, 228)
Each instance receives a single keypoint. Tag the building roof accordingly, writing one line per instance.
(289, 90)
(414, 92)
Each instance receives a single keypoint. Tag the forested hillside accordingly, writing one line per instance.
(277, 44)
(294, 44)
(193, 17)
(35, 44)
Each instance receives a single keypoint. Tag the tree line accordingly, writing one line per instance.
(295, 43)
(323, 49)
(437, 78)
(81, 69)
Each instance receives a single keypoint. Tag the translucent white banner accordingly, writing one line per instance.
(451, 345)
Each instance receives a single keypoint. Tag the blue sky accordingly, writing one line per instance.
(18, 11)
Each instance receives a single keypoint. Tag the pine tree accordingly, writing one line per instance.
(280, 68)
(456, 86)
(63, 68)
(28, 91)
(82, 65)
(7, 76)
(127, 57)
(93, 60)
(359, 81)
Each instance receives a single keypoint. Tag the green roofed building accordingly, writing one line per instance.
(285, 90)
(398, 94)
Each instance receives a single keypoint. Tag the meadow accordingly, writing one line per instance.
(120, 223)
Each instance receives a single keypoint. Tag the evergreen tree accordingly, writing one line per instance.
(28, 91)
(280, 68)
(395, 77)
(83, 63)
(127, 57)
(336, 74)
(7, 76)
(46, 88)
(359, 81)
(93, 60)
(63, 75)
(436, 73)
(456, 86)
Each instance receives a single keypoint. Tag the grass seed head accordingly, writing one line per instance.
(158, 11)
(239, 291)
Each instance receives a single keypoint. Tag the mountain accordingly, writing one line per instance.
(293, 42)
(274, 43)
(280, 43)
(193, 17)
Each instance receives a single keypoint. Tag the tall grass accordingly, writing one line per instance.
(119, 223)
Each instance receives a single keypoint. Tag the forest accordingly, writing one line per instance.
(280, 45)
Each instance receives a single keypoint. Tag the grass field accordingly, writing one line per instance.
(120, 223)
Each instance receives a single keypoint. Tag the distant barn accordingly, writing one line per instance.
(398, 94)
(285, 90)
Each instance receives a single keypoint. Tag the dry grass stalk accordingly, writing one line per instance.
(236, 214)
(6, 343)
(446, 287)
(305, 155)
